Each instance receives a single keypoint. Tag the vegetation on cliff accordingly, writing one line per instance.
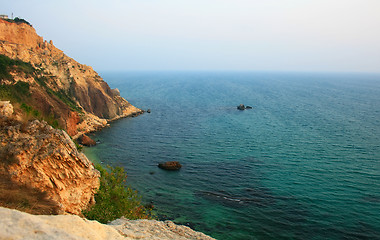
(114, 199)
(28, 101)
(7, 64)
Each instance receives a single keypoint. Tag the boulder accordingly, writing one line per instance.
(248, 107)
(6, 109)
(241, 107)
(171, 165)
(87, 141)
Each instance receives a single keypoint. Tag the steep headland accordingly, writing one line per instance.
(59, 88)
(46, 100)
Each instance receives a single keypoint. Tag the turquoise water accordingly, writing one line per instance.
(304, 163)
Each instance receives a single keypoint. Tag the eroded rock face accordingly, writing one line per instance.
(35, 154)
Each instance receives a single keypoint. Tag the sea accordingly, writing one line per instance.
(303, 163)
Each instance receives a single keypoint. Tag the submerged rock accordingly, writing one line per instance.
(171, 165)
(248, 107)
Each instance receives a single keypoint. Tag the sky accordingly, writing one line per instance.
(215, 35)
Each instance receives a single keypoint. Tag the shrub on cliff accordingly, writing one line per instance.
(114, 199)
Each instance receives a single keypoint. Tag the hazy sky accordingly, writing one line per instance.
(290, 35)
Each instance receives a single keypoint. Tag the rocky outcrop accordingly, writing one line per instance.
(19, 225)
(82, 102)
(34, 154)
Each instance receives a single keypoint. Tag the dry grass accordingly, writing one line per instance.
(23, 198)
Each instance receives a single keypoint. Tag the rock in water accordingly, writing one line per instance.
(248, 107)
(171, 165)
(87, 141)
(241, 107)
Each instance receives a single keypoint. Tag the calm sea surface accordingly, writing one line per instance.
(304, 163)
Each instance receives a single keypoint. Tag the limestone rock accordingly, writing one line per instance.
(19, 225)
(38, 156)
(155, 230)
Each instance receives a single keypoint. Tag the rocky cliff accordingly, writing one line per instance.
(60, 87)
(42, 87)
(34, 154)
(19, 225)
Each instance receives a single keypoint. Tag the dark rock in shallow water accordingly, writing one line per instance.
(241, 107)
(148, 111)
(248, 107)
(171, 165)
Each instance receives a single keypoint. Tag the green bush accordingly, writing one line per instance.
(114, 199)
(7, 64)
(17, 92)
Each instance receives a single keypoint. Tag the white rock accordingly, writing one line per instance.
(19, 225)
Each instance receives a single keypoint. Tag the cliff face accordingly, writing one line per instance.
(34, 154)
(91, 101)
